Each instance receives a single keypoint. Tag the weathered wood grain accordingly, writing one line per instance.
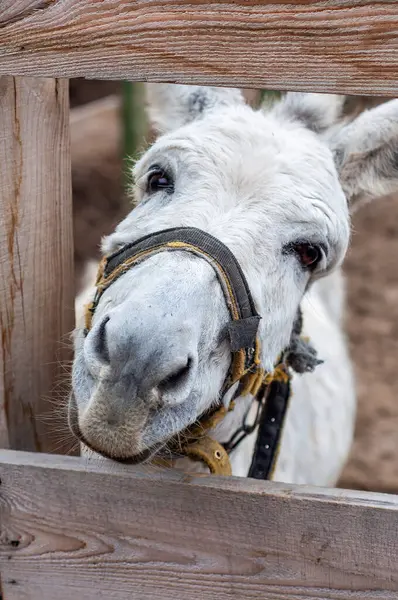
(345, 46)
(73, 529)
(36, 249)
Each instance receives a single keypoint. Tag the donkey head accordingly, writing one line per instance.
(275, 187)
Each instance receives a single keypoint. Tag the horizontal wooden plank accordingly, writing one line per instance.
(93, 530)
(343, 46)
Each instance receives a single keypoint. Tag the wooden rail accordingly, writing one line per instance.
(36, 250)
(89, 530)
(344, 46)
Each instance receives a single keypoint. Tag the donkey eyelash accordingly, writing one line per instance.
(142, 182)
(156, 168)
(159, 179)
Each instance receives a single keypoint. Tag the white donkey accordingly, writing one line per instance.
(276, 187)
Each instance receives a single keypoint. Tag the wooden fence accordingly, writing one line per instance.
(76, 530)
(69, 528)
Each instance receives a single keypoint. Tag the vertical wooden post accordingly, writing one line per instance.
(36, 283)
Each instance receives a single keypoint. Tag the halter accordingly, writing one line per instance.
(242, 329)
(271, 390)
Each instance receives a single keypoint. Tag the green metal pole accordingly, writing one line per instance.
(268, 97)
(134, 125)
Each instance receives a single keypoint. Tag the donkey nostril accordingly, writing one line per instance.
(113, 420)
(101, 346)
(177, 378)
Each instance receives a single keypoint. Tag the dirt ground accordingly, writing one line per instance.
(372, 325)
(372, 311)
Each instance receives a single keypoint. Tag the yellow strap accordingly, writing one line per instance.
(205, 450)
(278, 374)
(207, 423)
(211, 453)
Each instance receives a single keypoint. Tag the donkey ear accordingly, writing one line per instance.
(366, 153)
(170, 106)
(317, 112)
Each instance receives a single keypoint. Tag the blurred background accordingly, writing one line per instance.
(108, 123)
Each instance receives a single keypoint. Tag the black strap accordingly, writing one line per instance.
(242, 329)
(270, 429)
(205, 242)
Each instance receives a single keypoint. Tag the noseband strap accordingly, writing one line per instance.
(241, 330)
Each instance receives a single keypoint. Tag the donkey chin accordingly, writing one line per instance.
(131, 435)
(115, 435)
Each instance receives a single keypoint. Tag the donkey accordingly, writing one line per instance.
(276, 187)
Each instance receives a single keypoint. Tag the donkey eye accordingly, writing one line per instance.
(308, 254)
(159, 180)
